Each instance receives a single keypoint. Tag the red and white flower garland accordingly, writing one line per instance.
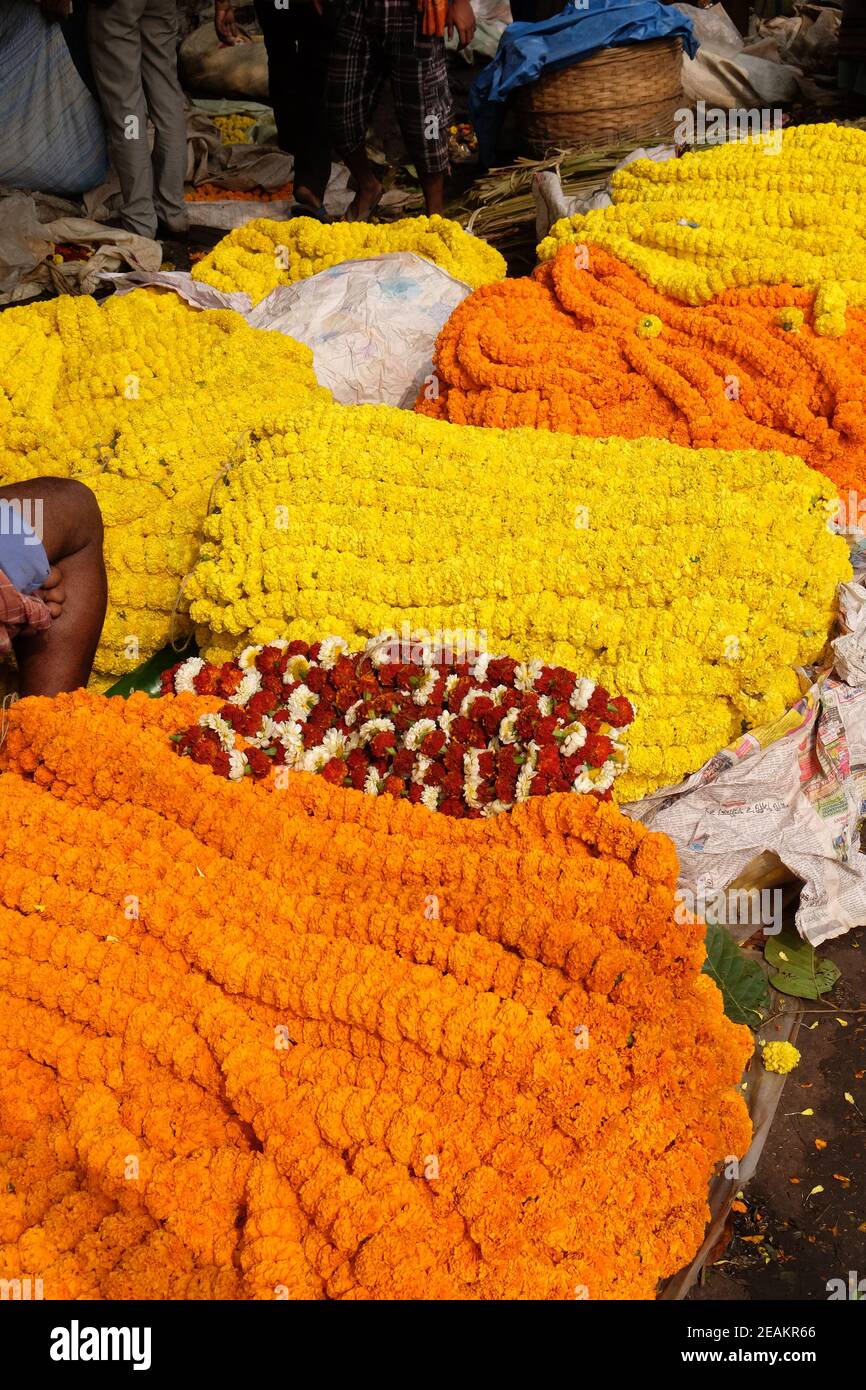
(470, 738)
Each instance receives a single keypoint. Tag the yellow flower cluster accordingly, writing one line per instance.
(263, 254)
(691, 581)
(235, 128)
(780, 1057)
(784, 210)
(146, 401)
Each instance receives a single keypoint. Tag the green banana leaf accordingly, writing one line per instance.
(147, 676)
(740, 979)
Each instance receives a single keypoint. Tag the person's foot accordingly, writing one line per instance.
(304, 210)
(306, 204)
(365, 201)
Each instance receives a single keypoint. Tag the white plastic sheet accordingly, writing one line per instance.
(372, 324)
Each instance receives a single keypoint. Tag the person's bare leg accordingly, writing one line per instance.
(369, 186)
(61, 658)
(433, 188)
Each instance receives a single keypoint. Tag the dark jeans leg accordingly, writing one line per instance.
(312, 142)
(297, 41)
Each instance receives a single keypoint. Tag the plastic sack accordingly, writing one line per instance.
(210, 68)
(52, 132)
(372, 324)
(714, 28)
(27, 244)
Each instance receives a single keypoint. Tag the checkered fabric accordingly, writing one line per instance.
(376, 39)
(20, 614)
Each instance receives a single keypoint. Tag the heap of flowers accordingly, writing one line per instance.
(146, 401)
(783, 209)
(587, 347)
(304, 1043)
(208, 192)
(693, 582)
(234, 128)
(469, 738)
(263, 254)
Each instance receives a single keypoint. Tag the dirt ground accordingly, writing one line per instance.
(791, 1239)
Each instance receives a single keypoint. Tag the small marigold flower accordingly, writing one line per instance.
(780, 1057)
(650, 326)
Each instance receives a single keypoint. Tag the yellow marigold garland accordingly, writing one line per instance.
(263, 254)
(787, 209)
(146, 401)
(282, 1074)
(690, 582)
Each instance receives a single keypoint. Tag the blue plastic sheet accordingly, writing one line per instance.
(526, 51)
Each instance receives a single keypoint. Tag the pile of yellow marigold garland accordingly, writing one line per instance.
(785, 209)
(310, 1044)
(147, 401)
(588, 347)
(691, 582)
(263, 254)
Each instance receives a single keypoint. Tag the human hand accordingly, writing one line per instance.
(461, 17)
(227, 27)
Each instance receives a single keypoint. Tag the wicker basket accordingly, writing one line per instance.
(628, 93)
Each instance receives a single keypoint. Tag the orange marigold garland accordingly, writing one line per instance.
(597, 351)
(300, 1042)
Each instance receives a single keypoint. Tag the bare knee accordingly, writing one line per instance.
(71, 516)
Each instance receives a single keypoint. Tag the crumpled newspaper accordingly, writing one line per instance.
(795, 788)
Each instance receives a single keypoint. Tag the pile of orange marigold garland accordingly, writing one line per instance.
(312, 1044)
(587, 347)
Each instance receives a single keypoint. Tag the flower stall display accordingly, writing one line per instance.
(308, 1044)
(208, 192)
(146, 401)
(587, 347)
(263, 254)
(466, 738)
(786, 208)
(692, 582)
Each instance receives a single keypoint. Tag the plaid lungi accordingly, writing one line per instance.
(376, 39)
(20, 614)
